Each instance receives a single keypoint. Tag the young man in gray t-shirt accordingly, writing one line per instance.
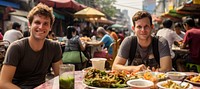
(142, 25)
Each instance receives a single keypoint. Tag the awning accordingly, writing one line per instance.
(189, 9)
(19, 13)
(71, 4)
(173, 15)
(20, 18)
(7, 4)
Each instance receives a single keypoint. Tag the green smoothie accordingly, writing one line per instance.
(66, 82)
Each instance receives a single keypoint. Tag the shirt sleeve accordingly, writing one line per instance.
(177, 37)
(125, 48)
(186, 38)
(13, 55)
(57, 52)
(163, 47)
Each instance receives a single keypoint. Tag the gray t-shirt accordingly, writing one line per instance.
(31, 66)
(142, 55)
(73, 44)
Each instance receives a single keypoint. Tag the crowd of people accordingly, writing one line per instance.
(29, 59)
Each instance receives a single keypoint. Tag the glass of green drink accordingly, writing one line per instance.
(66, 76)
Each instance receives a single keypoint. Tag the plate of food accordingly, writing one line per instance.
(92, 87)
(170, 84)
(98, 79)
(194, 79)
(149, 75)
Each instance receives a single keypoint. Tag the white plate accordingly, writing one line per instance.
(91, 87)
(195, 83)
(159, 84)
(155, 74)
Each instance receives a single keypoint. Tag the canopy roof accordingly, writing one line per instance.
(89, 13)
(189, 9)
(71, 4)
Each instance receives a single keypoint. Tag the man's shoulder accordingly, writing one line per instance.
(51, 43)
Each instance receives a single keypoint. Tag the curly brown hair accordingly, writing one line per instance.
(141, 14)
(41, 9)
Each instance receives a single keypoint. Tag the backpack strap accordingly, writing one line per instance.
(155, 49)
(133, 48)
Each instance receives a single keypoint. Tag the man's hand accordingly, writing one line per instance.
(141, 67)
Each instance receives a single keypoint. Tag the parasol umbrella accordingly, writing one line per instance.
(71, 4)
(101, 20)
(89, 13)
(117, 26)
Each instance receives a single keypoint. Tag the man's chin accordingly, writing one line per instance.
(39, 38)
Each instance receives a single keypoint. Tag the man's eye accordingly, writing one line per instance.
(139, 27)
(146, 27)
(37, 22)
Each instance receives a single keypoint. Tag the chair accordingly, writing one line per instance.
(114, 53)
(3, 48)
(118, 44)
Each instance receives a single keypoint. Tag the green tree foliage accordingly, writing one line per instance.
(107, 6)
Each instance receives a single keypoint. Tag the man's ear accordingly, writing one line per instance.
(133, 28)
(29, 24)
(152, 26)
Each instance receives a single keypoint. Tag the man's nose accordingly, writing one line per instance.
(41, 26)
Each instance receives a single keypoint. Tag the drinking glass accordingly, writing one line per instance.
(66, 76)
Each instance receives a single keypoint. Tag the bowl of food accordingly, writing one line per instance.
(140, 84)
(176, 75)
(170, 84)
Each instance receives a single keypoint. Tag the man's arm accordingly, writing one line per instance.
(165, 64)
(55, 67)
(6, 77)
(119, 64)
(183, 45)
(98, 43)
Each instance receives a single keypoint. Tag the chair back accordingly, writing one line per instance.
(3, 48)
(114, 53)
(118, 42)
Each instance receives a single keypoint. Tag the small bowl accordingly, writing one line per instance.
(140, 84)
(176, 75)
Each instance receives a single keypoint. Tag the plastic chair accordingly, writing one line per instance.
(118, 44)
(114, 53)
(3, 48)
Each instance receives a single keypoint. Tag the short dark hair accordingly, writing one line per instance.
(41, 9)
(109, 28)
(70, 29)
(15, 25)
(141, 14)
(167, 23)
(189, 21)
(178, 25)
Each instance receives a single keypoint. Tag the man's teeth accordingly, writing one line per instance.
(40, 31)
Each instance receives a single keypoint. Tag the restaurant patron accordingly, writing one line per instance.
(27, 60)
(144, 56)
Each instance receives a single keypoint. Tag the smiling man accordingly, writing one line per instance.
(144, 56)
(27, 60)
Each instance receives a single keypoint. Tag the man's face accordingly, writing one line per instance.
(143, 28)
(40, 27)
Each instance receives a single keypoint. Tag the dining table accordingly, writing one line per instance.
(79, 75)
(179, 50)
